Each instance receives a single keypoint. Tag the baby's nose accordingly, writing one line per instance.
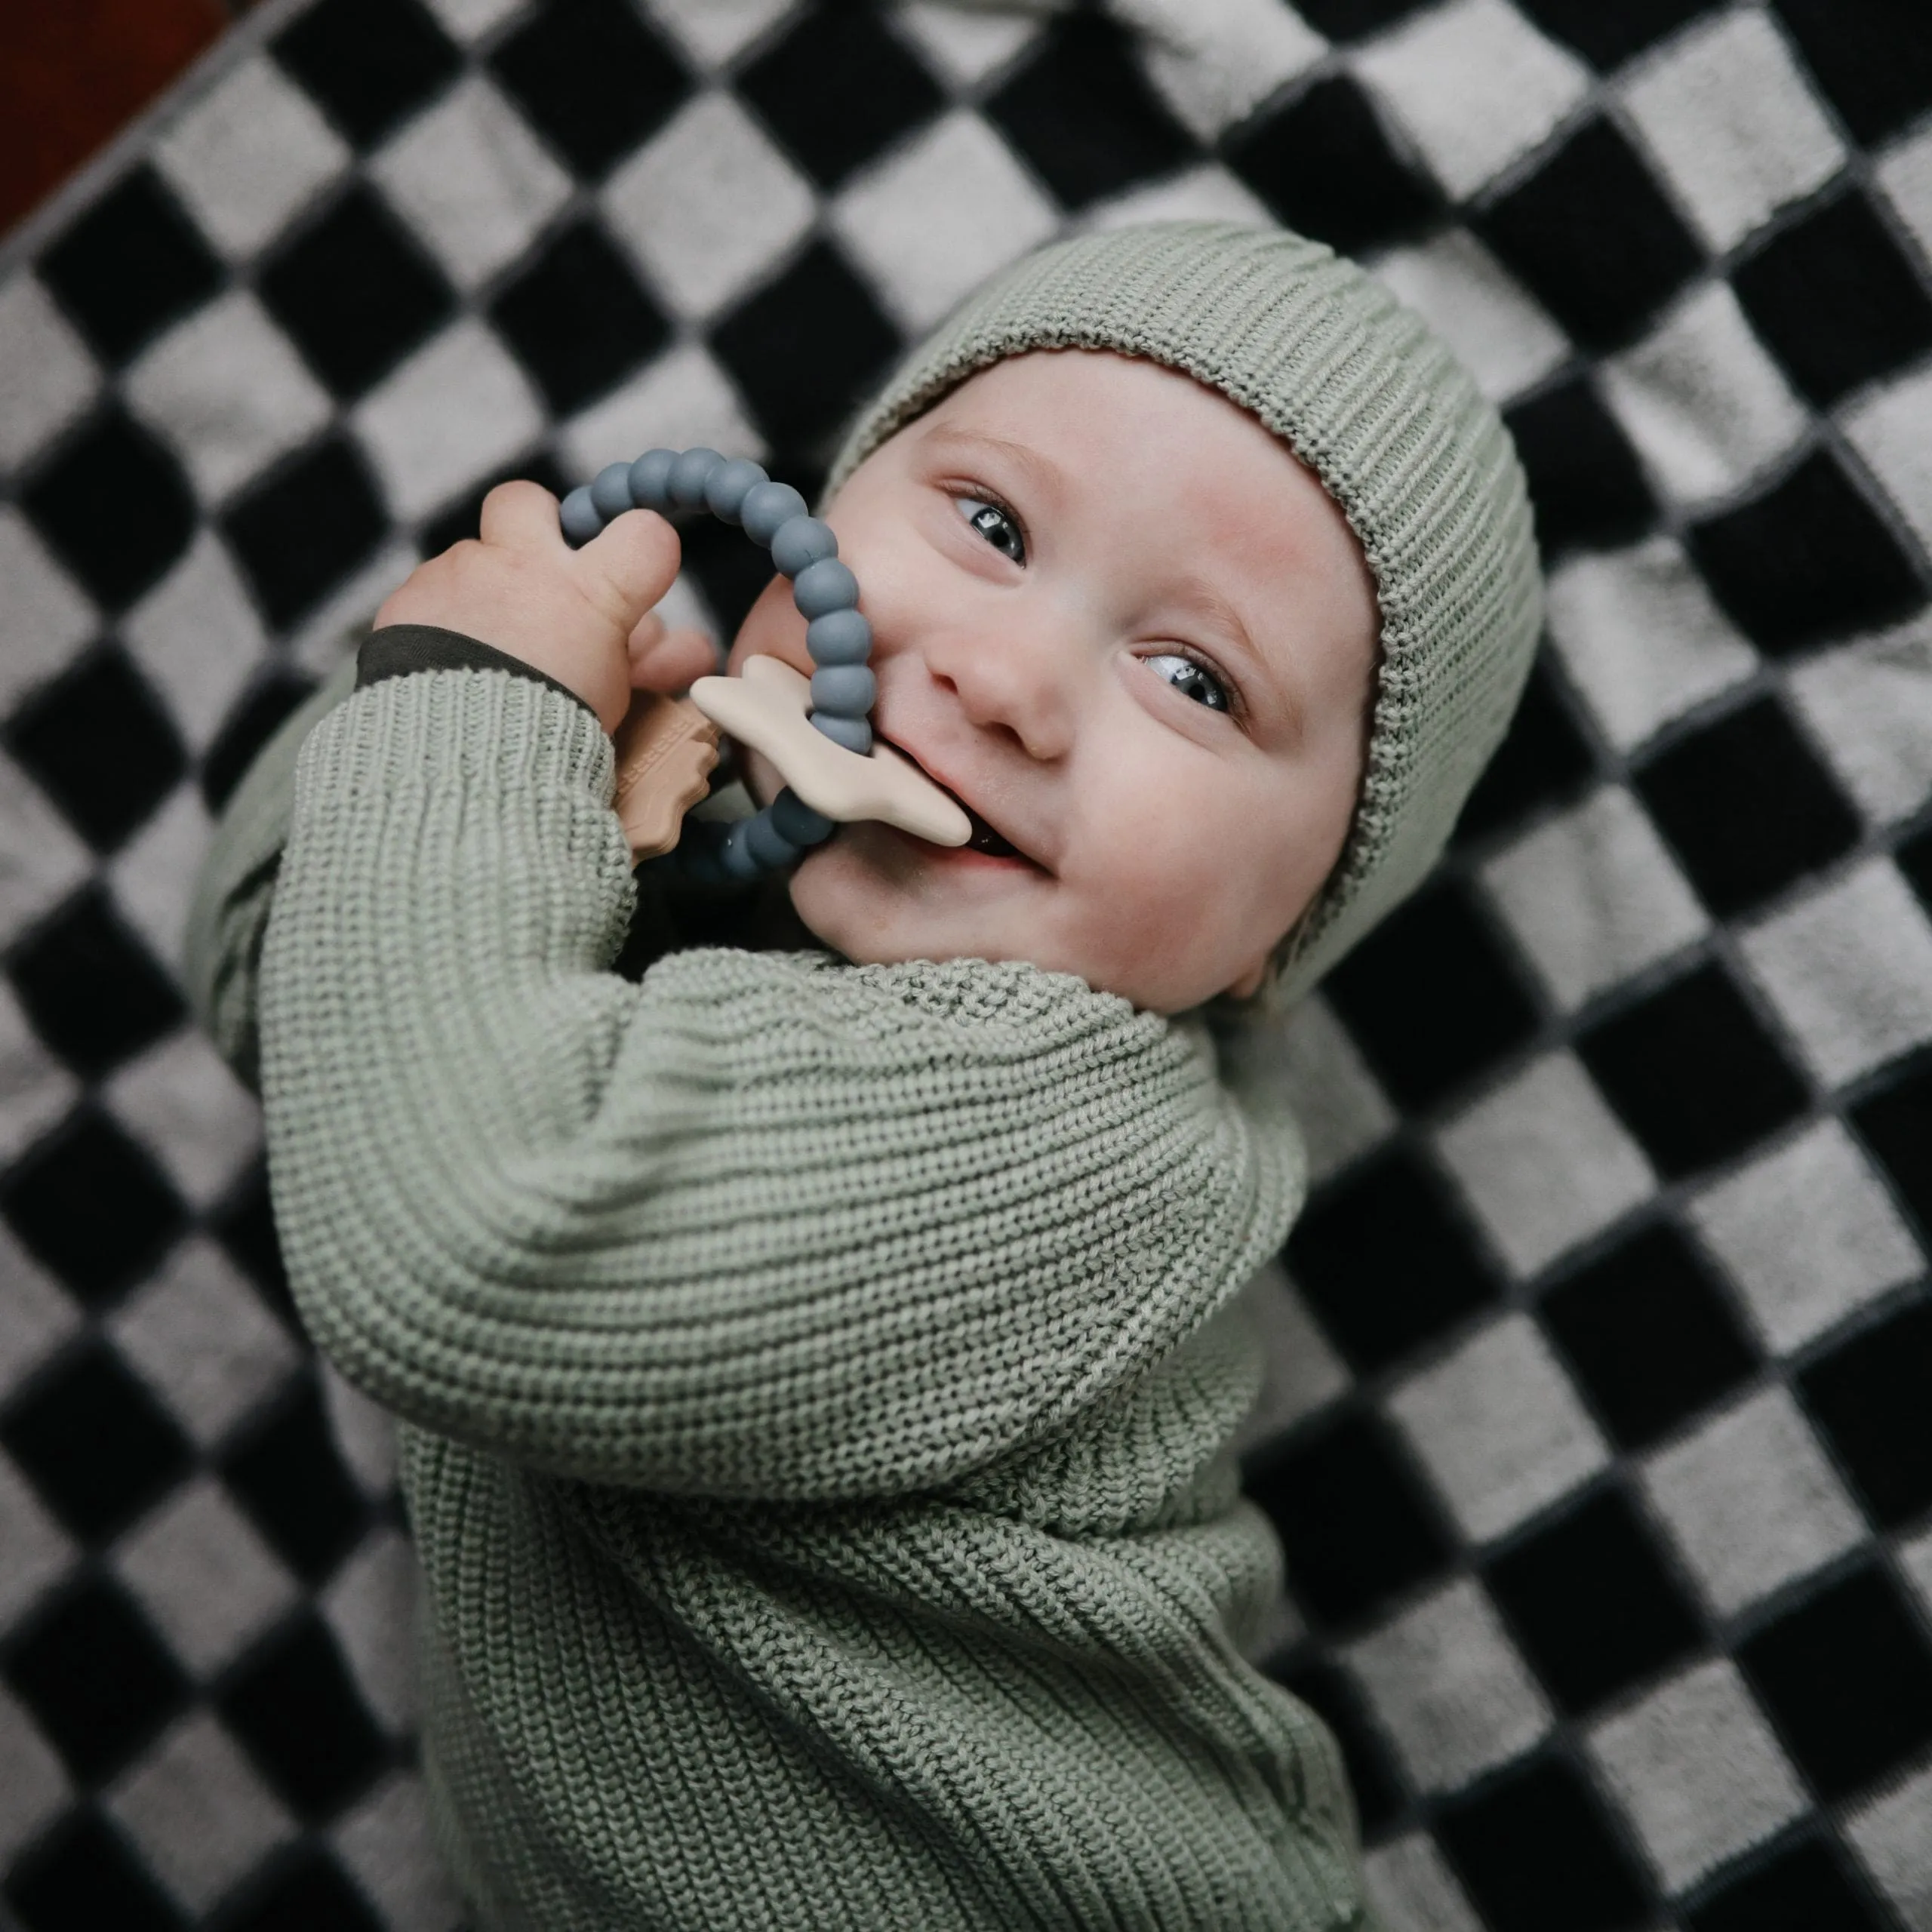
(1011, 676)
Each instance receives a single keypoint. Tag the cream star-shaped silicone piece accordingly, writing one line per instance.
(766, 708)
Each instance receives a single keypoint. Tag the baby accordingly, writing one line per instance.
(816, 1367)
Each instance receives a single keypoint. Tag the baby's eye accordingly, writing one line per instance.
(1193, 680)
(996, 526)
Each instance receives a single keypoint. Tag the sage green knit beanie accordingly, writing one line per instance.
(1393, 425)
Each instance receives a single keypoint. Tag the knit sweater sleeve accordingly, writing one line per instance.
(765, 1224)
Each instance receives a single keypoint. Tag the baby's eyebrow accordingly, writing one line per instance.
(1039, 469)
(1202, 595)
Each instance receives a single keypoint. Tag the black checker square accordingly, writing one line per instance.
(97, 1445)
(1545, 760)
(305, 527)
(803, 349)
(576, 318)
(1873, 59)
(1536, 1852)
(1431, 997)
(270, 697)
(114, 506)
(1592, 1603)
(356, 292)
(1323, 161)
(367, 63)
(1914, 859)
(1606, 36)
(1330, 1693)
(285, 1473)
(731, 573)
(837, 87)
(1079, 110)
(294, 1707)
(1895, 1121)
(244, 1225)
(1801, 1887)
(1846, 1677)
(1836, 299)
(1808, 559)
(51, 1198)
(1648, 1334)
(1691, 1072)
(94, 992)
(84, 1874)
(101, 745)
(1354, 1521)
(1868, 1397)
(309, 1893)
(99, 1681)
(1585, 482)
(1354, 20)
(132, 264)
(592, 78)
(1384, 1260)
(1749, 809)
(1592, 236)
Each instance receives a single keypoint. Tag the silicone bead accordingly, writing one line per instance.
(768, 845)
(579, 516)
(854, 733)
(650, 479)
(825, 586)
(611, 490)
(801, 542)
(839, 637)
(768, 508)
(689, 475)
(795, 820)
(846, 691)
(724, 494)
(737, 855)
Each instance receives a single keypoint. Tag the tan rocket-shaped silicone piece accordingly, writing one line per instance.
(666, 747)
(768, 708)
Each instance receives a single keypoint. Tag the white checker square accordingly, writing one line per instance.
(181, 1103)
(201, 1335)
(1890, 1835)
(364, 1431)
(458, 409)
(680, 400)
(1870, 705)
(1905, 175)
(469, 21)
(1849, 969)
(47, 617)
(1808, 1234)
(207, 1580)
(1705, 407)
(197, 637)
(33, 1786)
(1300, 1373)
(1338, 1105)
(936, 217)
(153, 875)
(1475, 85)
(35, 1316)
(1206, 193)
(227, 389)
(386, 1843)
(36, 1089)
(1733, 124)
(1449, 1688)
(1499, 1428)
(715, 31)
(1697, 1771)
(248, 154)
(1891, 429)
(1916, 1560)
(473, 181)
(1215, 60)
(202, 1816)
(1642, 639)
(47, 377)
(1592, 897)
(1751, 1502)
(41, 860)
(321, 640)
(709, 206)
(1544, 1163)
(964, 45)
(1498, 330)
(39, 1552)
(1413, 1890)
(370, 1605)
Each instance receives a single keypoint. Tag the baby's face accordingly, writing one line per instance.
(1116, 618)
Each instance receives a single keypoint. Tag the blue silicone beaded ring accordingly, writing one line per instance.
(737, 490)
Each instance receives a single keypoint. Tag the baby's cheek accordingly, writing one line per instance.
(773, 628)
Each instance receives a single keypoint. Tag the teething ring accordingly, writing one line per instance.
(819, 734)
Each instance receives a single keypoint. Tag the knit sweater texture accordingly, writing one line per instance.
(816, 1379)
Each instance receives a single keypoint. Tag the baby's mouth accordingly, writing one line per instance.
(984, 839)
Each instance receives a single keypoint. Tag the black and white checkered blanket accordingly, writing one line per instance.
(1597, 1430)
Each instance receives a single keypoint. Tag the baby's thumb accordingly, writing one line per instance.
(626, 568)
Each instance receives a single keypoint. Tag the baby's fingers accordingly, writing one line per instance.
(628, 567)
(669, 660)
(522, 516)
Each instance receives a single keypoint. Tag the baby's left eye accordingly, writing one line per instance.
(996, 525)
(1194, 680)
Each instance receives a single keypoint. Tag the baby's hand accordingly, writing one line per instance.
(581, 616)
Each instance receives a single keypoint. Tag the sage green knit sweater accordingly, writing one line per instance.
(816, 1379)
